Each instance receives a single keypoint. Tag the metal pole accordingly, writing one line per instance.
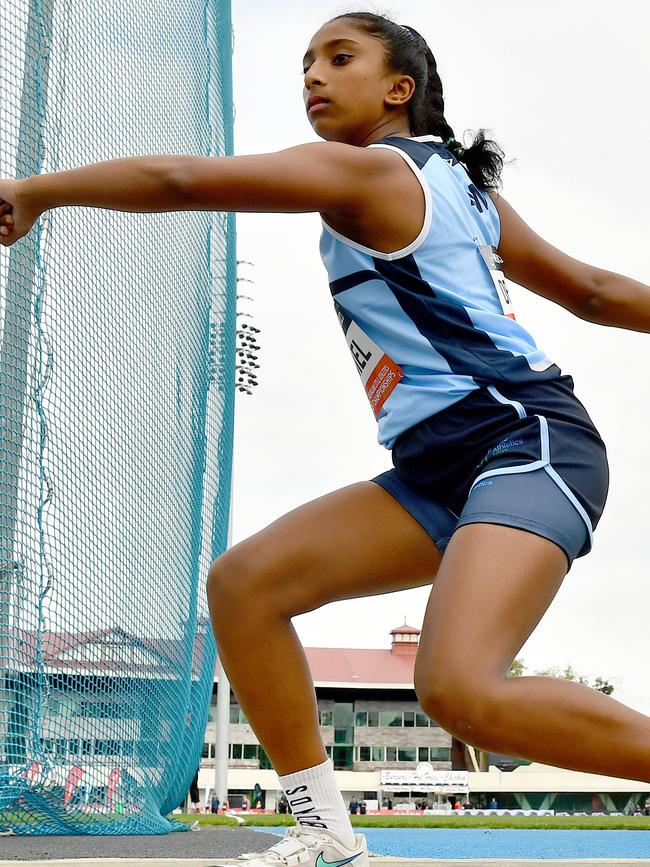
(225, 42)
(221, 735)
(19, 297)
(222, 722)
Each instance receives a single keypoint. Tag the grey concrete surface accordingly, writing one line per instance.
(206, 842)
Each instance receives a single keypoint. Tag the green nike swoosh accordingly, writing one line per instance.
(321, 862)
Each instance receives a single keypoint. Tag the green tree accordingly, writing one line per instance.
(518, 668)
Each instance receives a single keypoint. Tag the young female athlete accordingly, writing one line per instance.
(499, 475)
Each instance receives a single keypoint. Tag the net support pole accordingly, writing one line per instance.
(222, 724)
(221, 736)
(225, 39)
(19, 300)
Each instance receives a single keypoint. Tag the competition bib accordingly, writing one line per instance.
(493, 261)
(379, 373)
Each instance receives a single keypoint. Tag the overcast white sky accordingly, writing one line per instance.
(563, 87)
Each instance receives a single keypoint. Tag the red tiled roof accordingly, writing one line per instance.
(335, 665)
(352, 665)
(405, 630)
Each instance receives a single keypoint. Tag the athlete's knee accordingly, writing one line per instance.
(464, 703)
(234, 579)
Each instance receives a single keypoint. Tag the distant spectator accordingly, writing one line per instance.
(493, 804)
(194, 793)
(389, 804)
(458, 806)
(214, 804)
(637, 810)
(354, 806)
(283, 804)
(362, 808)
(245, 803)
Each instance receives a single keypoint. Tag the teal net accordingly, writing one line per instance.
(117, 347)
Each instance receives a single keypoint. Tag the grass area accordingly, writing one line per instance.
(585, 823)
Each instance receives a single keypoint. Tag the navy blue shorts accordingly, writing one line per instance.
(522, 456)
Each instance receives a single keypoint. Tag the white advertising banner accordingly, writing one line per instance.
(425, 779)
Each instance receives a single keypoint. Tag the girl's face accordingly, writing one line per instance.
(349, 94)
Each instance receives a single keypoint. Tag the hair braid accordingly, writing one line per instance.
(432, 118)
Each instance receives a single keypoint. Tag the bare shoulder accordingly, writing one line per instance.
(539, 266)
(387, 211)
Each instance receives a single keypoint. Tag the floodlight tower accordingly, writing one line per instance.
(247, 347)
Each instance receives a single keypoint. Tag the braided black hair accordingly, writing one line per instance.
(406, 51)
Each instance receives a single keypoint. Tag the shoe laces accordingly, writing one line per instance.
(297, 839)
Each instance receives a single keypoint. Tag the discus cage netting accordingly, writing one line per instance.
(117, 347)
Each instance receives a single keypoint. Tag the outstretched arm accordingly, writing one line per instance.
(322, 176)
(591, 293)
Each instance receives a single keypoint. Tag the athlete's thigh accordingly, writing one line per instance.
(357, 541)
(492, 588)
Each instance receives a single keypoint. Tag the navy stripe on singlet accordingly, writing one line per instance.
(450, 330)
(421, 151)
(352, 280)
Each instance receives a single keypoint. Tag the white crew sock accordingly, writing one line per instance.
(316, 801)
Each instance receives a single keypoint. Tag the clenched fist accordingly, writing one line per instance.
(16, 218)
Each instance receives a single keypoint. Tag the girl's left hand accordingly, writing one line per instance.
(16, 218)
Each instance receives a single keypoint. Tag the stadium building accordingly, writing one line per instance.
(384, 746)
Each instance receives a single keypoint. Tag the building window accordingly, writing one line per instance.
(127, 748)
(364, 754)
(265, 761)
(390, 718)
(205, 752)
(86, 747)
(342, 736)
(328, 750)
(343, 758)
(234, 713)
(391, 754)
(344, 715)
(407, 754)
(440, 754)
(378, 754)
(423, 754)
(73, 747)
(326, 717)
(373, 717)
(421, 719)
(362, 718)
(250, 751)
(409, 718)
(236, 750)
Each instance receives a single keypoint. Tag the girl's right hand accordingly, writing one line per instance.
(16, 218)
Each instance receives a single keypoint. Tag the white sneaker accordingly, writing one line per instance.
(310, 847)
